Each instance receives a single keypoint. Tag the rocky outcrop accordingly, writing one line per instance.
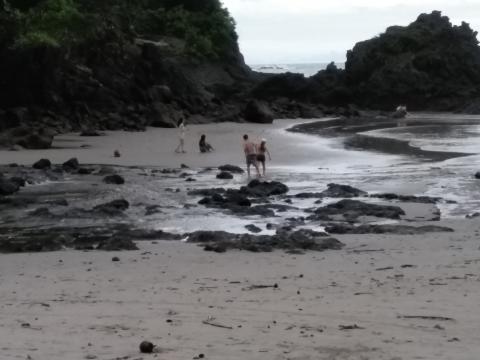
(258, 112)
(291, 241)
(384, 229)
(257, 188)
(351, 210)
(42, 164)
(342, 191)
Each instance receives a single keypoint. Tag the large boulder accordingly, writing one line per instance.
(42, 164)
(71, 165)
(477, 175)
(257, 188)
(258, 112)
(231, 168)
(114, 179)
(342, 191)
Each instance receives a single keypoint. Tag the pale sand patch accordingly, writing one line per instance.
(89, 305)
(155, 147)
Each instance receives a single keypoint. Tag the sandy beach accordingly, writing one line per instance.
(382, 296)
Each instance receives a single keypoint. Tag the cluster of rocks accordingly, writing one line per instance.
(291, 241)
(111, 237)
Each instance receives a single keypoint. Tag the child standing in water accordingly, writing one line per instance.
(262, 151)
(181, 136)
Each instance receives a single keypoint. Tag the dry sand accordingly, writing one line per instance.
(81, 305)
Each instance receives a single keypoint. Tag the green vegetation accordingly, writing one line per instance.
(206, 27)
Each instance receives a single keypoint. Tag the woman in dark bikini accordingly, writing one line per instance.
(262, 151)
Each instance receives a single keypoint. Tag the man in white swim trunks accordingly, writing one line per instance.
(250, 150)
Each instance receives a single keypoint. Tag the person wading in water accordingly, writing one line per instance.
(250, 151)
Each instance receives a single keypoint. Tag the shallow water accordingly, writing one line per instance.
(306, 163)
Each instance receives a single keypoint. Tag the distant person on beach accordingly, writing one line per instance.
(182, 129)
(250, 151)
(262, 151)
(203, 145)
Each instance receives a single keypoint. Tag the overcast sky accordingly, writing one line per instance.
(290, 31)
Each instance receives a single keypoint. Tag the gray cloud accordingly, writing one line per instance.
(309, 33)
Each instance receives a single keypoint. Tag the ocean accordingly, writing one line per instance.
(307, 69)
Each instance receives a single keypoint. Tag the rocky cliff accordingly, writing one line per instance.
(427, 65)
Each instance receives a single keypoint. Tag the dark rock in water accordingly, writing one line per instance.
(117, 243)
(57, 202)
(220, 241)
(39, 244)
(408, 198)
(252, 228)
(146, 347)
(116, 154)
(8, 187)
(113, 208)
(231, 168)
(258, 188)
(71, 165)
(477, 175)
(342, 191)
(84, 171)
(114, 179)
(473, 216)
(152, 209)
(183, 166)
(384, 229)
(115, 259)
(18, 181)
(41, 212)
(190, 179)
(206, 192)
(258, 112)
(350, 210)
(307, 195)
(42, 164)
(224, 175)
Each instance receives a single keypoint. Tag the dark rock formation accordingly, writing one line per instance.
(477, 175)
(8, 187)
(258, 112)
(342, 191)
(225, 175)
(350, 210)
(42, 164)
(114, 179)
(113, 237)
(257, 188)
(71, 165)
(408, 198)
(384, 229)
(252, 228)
(231, 168)
(295, 241)
(112, 208)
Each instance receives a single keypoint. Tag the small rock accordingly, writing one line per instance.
(231, 168)
(146, 347)
(183, 166)
(71, 164)
(115, 259)
(477, 175)
(224, 175)
(252, 228)
(116, 154)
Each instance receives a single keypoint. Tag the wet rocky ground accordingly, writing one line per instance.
(48, 207)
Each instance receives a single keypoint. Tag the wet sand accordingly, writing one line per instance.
(381, 297)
